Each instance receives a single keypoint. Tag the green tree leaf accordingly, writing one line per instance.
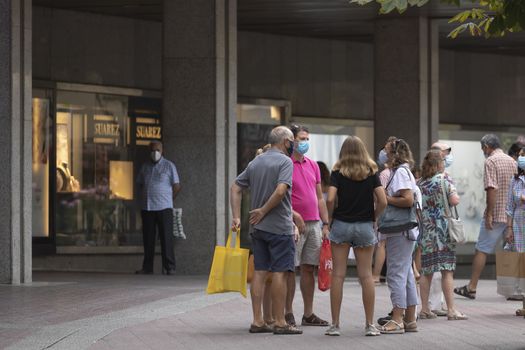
(387, 6)
(486, 17)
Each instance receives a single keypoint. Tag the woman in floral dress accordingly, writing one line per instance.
(515, 210)
(437, 251)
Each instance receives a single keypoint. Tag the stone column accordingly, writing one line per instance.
(199, 124)
(406, 82)
(15, 141)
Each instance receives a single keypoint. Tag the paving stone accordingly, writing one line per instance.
(107, 311)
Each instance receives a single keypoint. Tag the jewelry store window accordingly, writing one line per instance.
(101, 142)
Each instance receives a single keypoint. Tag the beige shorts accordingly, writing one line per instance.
(309, 244)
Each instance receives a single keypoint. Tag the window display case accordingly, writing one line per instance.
(85, 197)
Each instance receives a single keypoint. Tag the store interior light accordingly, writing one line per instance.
(275, 113)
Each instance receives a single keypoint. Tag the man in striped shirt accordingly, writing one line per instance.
(499, 171)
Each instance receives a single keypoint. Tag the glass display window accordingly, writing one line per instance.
(467, 171)
(328, 134)
(101, 143)
(42, 138)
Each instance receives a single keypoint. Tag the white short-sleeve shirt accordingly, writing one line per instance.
(403, 180)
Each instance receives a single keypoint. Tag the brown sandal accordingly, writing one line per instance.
(313, 320)
(286, 330)
(260, 329)
(465, 292)
(290, 319)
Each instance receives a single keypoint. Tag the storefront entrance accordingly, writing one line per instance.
(88, 145)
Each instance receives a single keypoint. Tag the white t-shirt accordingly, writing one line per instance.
(404, 180)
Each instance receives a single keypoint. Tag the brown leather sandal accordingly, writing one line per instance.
(260, 329)
(465, 292)
(313, 320)
(286, 330)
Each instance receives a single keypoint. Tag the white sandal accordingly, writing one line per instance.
(399, 329)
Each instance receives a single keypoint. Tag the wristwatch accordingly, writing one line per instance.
(326, 223)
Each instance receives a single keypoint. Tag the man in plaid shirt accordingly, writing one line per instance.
(499, 171)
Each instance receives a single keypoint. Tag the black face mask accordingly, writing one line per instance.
(290, 149)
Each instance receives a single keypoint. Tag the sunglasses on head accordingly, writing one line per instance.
(396, 144)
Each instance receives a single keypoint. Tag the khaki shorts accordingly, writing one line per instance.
(309, 244)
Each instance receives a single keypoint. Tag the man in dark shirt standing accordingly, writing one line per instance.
(158, 182)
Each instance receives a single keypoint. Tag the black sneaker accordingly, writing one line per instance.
(383, 320)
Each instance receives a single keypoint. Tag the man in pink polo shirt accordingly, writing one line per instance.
(309, 207)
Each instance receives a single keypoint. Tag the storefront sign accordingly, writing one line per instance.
(107, 130)
(104, 129)
(147, 130)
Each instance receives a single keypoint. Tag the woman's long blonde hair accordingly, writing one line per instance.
(354, 161)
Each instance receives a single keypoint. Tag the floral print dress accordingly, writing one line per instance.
(437, 251)
(516, 209)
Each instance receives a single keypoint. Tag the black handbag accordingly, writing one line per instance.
(396, 219)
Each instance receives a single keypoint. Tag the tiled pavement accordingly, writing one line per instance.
(107, 311)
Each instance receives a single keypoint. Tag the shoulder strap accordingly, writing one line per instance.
(445, 197)
(391, 178)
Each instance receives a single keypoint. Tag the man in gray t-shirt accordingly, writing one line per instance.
(262, 175)
(269, 178)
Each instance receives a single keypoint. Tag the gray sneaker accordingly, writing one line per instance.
(333, 331)
(371, 331)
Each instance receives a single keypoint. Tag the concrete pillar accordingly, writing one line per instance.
(199, 124)
(15, 141)
(406, 82)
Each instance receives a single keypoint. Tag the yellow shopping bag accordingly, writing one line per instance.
(229, 268)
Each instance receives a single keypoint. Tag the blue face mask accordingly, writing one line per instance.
(382, 158)
(521, 162)
(449, 159)
(303, 146)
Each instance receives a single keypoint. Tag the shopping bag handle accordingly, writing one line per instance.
(237, 238)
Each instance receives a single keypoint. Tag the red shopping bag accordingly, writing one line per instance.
(324, 277)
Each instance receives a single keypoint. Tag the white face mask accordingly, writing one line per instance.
(155, 156)
(449, 159)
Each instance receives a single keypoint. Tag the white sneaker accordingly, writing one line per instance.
(333, 331)
(371, 331)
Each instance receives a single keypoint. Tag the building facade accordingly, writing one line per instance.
(86, 89)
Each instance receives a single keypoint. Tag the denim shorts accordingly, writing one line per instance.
(273, 252)
(358, 234)
(488, 239)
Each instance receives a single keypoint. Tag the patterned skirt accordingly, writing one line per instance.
(437, 252)
(438, 261)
